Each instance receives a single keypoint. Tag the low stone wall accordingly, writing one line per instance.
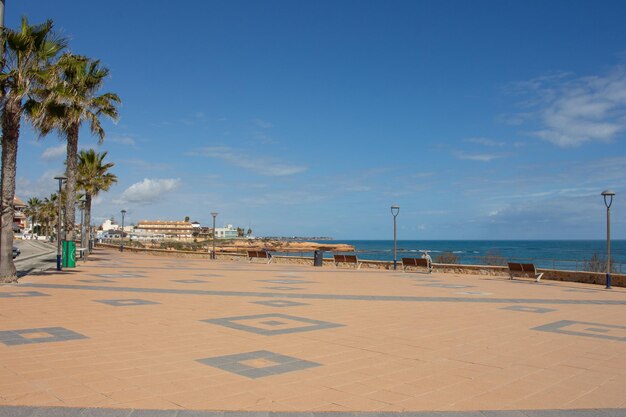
(598, 278)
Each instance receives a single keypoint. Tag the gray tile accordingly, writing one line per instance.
(119, 275)
(347, 297)
(189, 281)
(279, 303)
(153, 413)
(563, 413)
(298, 324)
(124, 302)
(618, 333)
(286, 281)
(57, 412)
(105, 412)
(95, 281)
(247, 414)
(198, 413)
(22, 294)
(235, 364)
(56, 334)
(16, 411)
(283, 288)
(473, 293)
(529, 309)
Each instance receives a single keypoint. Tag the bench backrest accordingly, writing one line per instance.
(517, 267)
(346, 258)
(415, 262)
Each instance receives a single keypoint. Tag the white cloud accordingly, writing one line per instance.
(481, 157)
(261, 165)
(148, 190)
(573, 111)
(485, 142)
(122, 140)
(54, 152)
(263, 124)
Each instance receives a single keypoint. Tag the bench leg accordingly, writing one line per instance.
(358, 265)
(539, 276)
(269, 261)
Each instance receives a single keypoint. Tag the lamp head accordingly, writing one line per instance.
(610, 194)
(123, 212)
(214, 214)
(61, 178)
(395, 209)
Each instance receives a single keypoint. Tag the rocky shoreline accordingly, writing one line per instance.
(281, 246)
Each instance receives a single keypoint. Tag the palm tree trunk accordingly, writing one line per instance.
(87, 220)
(10, 135)
(70, 186)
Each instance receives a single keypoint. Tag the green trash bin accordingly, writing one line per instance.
(69, 254)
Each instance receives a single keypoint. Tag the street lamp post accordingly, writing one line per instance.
(82, 227)
(60, 178)
(607, 203)
(122, 241)
(394, 212)
(214, 214)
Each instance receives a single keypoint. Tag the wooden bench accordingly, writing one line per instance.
(416, 262)
(347, 259)
(526, 270)
(260, 254)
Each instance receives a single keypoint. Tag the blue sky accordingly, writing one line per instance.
(481, 120)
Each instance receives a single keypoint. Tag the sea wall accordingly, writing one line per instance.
(598, 278)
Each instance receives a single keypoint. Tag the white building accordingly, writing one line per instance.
(228, 232)
(110, 225)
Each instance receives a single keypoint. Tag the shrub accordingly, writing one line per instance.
(597, 263)
(447, 258)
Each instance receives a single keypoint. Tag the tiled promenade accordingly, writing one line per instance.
(127, 333)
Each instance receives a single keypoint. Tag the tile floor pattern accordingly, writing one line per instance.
(16, 294)
(261, 363)
(126, 302)
(257, 324)
(390, 344)
(38, 335)
(12, 411)
(279, 303)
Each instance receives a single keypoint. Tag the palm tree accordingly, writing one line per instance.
(33, 209)
(70, 99)
(93, 178)
(49, 213)
(29, 52)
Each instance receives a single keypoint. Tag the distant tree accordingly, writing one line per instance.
(92, 178)
(249, 232)
(447, 258)
(240, 232)
(186, 218)
(32, 209)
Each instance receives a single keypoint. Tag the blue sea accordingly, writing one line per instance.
(554, 254)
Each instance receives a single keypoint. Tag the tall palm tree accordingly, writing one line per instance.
(29, 52)
(93, 178)
(33, 210)
(70, 99)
